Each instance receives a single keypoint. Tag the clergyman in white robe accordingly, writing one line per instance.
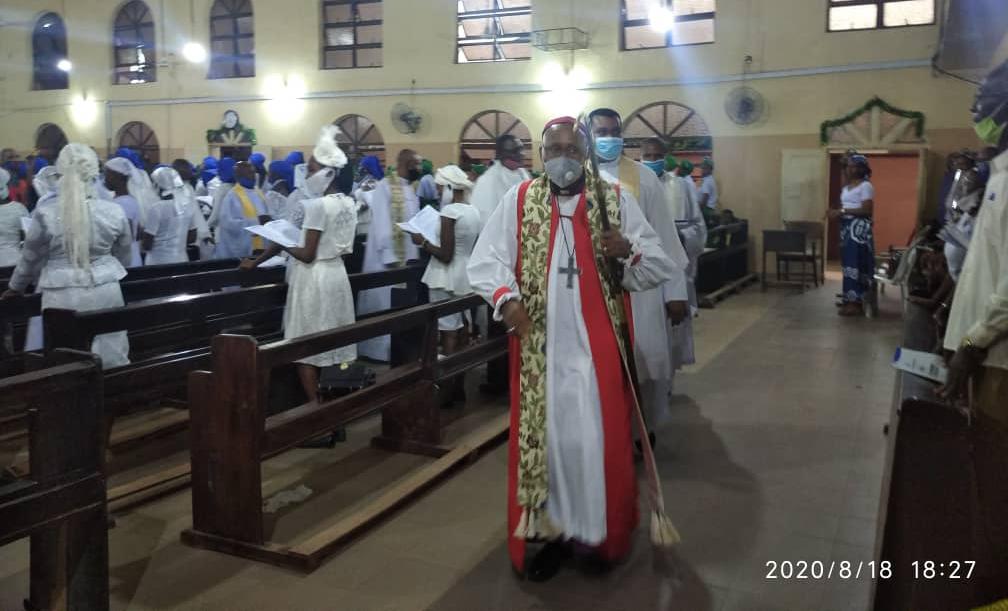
(693, 233)
(492, 186)
(380, 253)
(652, 330)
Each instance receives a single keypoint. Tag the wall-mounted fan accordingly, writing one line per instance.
(745, 106)
(406, 119)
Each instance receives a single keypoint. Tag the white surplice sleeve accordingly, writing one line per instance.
(492, 264)
(693, 228)
(654, 205)
(647, 266)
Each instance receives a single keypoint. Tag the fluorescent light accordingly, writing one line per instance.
(194, 52)
(65, 65)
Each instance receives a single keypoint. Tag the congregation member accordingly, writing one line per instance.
(692, 231)
(11, 234)
(427, 189)
(226, 182)
(446, 275)
(171, 223)
(370, 174)
(295, 211)
(46, 185)
(119, 175)
(857, 257)
(977, 329)
(76, 252)
(708, 190)
(281, 181)
(320, 297)
(208, 180)
(392, 201)
(571, 480)
(657, 310)
(243, 206)
(684, 169)
(258, 163)
(204, 237)
(507, 170)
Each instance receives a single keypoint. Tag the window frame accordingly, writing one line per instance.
(148, 147)
(149, 45)
(354, 145)
(490, 142)
(234, 57)
(356, 22)
(632, 23)
(57, 41)
(879, 16)
(496, 14)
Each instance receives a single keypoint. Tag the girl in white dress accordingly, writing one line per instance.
(446, 274)
(118, 175)
(171, 223)
(319, 297)
(11, 213)
(76, 250)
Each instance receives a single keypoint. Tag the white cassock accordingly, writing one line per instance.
(202, 228)
(574, 430)
(652, 331)
(492, 185)
(380, 254)
(693, 234)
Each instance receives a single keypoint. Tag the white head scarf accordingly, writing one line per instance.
(139, 184)
(78, 166)
(454, 178)
(327, 151)
(170, 183)
(46, 182)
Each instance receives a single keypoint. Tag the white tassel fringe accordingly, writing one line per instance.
(663, 532)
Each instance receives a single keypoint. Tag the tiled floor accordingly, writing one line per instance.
(775, 453)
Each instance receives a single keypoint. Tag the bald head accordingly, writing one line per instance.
(408, 165)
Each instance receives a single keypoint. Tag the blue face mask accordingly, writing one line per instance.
(609, 148)
(248, 183)
(657, 166)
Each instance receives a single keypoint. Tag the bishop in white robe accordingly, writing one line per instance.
(392, 201)
(542, 262)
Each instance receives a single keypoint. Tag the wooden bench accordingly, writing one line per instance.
(169, 338)
(15, 312)
(156, 271)
(62, 505)
(723, 268)
(232, 432)
(941, 487)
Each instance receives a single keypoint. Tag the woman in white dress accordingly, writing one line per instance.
(118, 174)
(319, 297)
(446, 275)
(11, 234)
(75, 252)
(171, 223)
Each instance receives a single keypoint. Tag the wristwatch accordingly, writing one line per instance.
(967, 344)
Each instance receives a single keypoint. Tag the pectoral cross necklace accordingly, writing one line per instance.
(571, 270)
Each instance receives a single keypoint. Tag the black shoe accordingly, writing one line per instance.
(548, 561)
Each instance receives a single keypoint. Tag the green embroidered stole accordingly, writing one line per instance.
(397, 211)
(533, 281)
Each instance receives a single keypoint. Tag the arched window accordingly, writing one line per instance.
(49, 141)
(360, 137)
(232, 39)
(141, 138)
(49, 53)
(682, 129)
(133, 57)
(479, 136)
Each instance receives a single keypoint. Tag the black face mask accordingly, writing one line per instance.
(414, 175)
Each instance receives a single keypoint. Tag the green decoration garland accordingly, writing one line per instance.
(876, 102)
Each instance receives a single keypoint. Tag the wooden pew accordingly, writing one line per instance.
(61, 506)
(723, 268)
(156, 271)
(15, 312)
(944, 497)
(232, 432)
(169, 338)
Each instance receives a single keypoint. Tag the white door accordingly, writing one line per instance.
(803, 185)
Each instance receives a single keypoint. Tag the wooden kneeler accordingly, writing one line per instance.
(230, 433)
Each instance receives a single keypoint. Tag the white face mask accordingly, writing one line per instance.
(316, 184)
(563, 171)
